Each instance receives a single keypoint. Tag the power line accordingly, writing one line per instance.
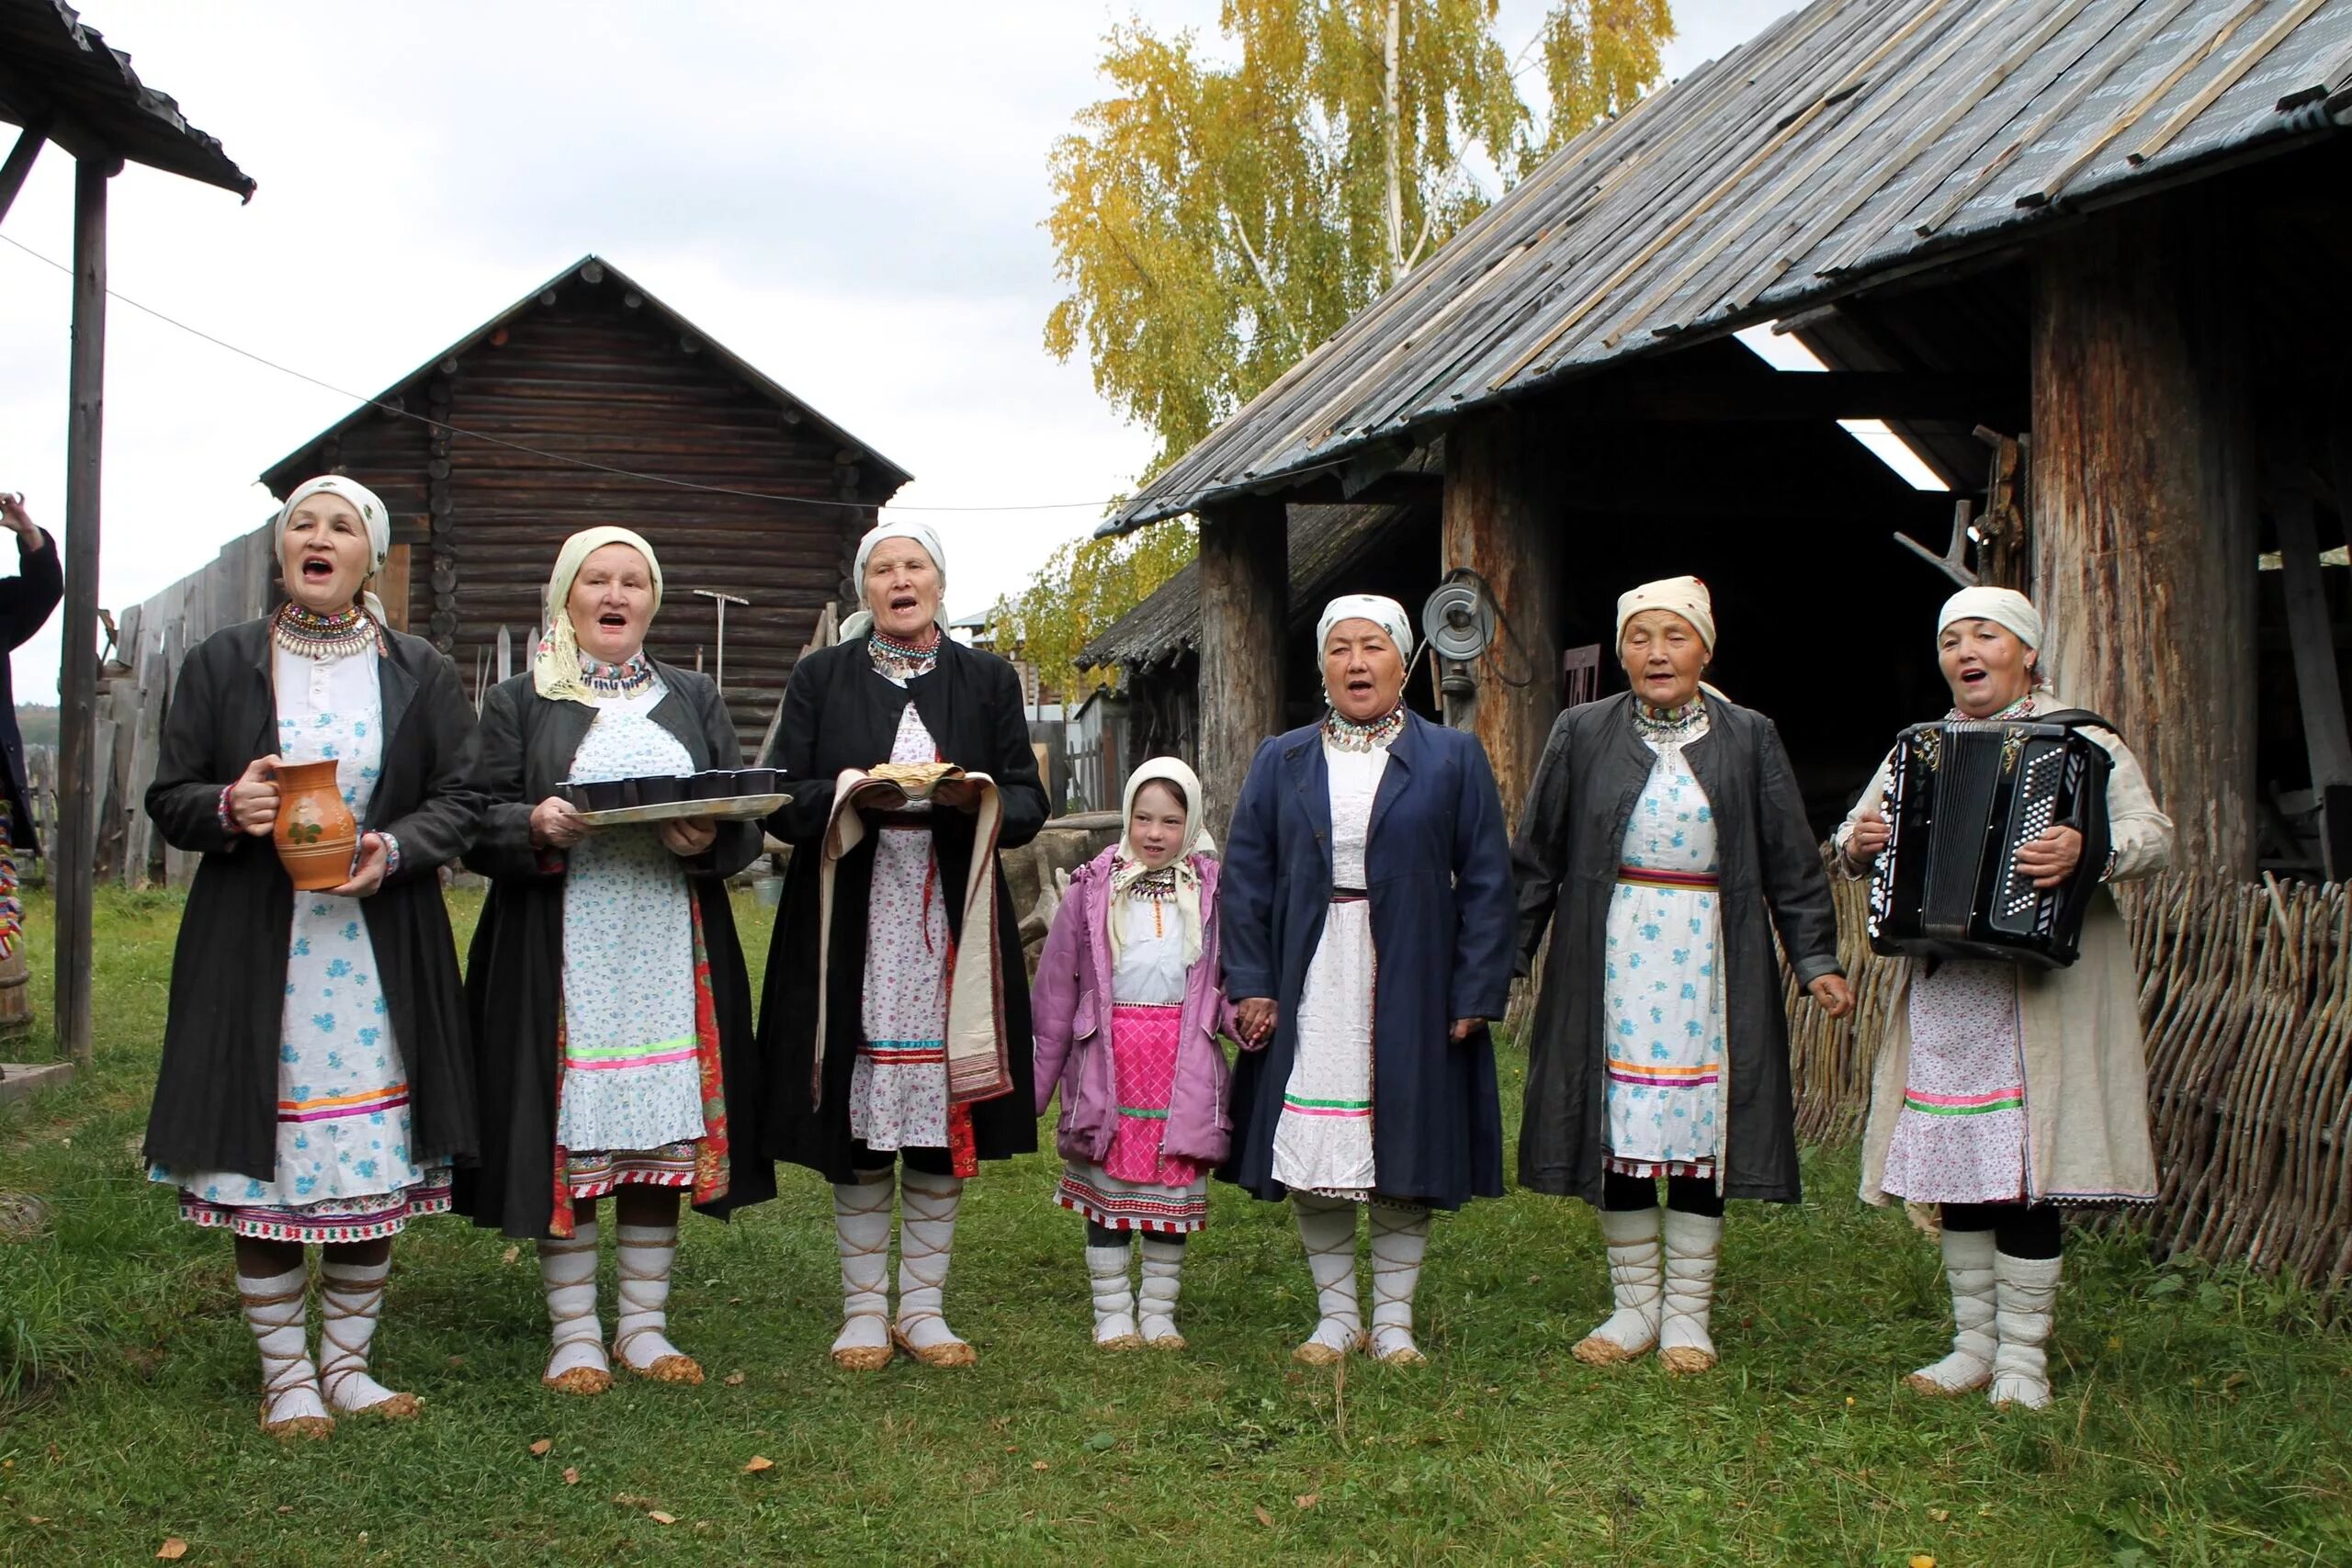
(557, 458)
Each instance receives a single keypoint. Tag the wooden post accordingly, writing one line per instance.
(2310, 634)
(1245, 599)
(2144, 468)
(78, 685)
(20, 164)
(1500, 521)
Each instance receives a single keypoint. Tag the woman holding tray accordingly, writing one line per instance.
(610, 1001)
(896, 1015)
(314, 1089)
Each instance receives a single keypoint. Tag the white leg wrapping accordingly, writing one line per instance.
(1114, 1297)
(1637, 1280)
(861, 1237)
(926, 1242)
(1693, 1245)
(567, 1274)
(1163, 1269)
(2025, 1300)
(1968, 1269)
(276, 1311)
(1326, 1226)
(640, 1338)
(351, 1299)
(1400, 1239)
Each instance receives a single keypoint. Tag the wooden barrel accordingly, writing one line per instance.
(15, 994)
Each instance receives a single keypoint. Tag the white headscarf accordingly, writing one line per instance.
(372, 516)
(555, 664)
(862, 621)
(1124, 871)
(1685, 596)
(2002, 606)
(1385, 613)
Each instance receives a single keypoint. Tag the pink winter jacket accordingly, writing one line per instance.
(1069, 1003)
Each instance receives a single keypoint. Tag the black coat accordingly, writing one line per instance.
(1570, 841)
(514, 974)
(216, 1097)
(839, 713)
(25, 602)
(1437, 868)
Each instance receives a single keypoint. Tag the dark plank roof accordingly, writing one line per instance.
(56, 72)
(1849, 140)
(880, 477)
(1325, 543)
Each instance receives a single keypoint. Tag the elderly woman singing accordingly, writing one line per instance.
(315, 1085)
(2001, 1090)
(611, 1010)
(897, 1016)
(1664, 831)
(1371, 842)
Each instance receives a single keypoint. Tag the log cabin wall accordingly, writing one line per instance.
(591, 374)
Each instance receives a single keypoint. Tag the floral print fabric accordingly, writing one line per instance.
(1960, 1136)
(898, 1086)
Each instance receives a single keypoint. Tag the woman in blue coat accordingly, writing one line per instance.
(1370, 845)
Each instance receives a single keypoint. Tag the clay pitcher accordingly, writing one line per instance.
(316, 833)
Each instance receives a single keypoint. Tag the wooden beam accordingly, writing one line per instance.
(20, 164)
(78, 685)
(1502, 485)
(1788, 397)
(391, 587)
(1245, 559)
(2310, 635)
(2142, 465)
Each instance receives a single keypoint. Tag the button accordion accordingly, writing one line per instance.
(1962, 796)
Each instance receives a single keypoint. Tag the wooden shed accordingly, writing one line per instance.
(590, 401)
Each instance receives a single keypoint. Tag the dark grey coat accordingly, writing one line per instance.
(1565, 860)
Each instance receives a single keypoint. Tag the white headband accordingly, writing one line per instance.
(1684, 596)
(861, 621)
(1385, 613)
(2002, 606)
(372, 516)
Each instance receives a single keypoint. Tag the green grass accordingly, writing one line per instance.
(2202, 1415)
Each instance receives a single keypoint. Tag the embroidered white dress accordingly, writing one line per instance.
(632, 1082)
(898, 1086)
(1323, 1140)
(1662, 995)
(344, 1172)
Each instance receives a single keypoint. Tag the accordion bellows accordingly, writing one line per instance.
(1962, 796)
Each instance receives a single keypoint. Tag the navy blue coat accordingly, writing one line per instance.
(1437, 865)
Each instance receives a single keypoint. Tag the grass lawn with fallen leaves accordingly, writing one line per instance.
(2203, 1416)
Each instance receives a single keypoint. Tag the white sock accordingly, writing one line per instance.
(276, 1312)
(1399, 1240)
(351, 1297)
(2025, 1297)
(567, 1274)
(927, 1206)
(861, 1237)
(1163, 1269)
(1114, 1297)
(639, 1334)
(1693, 1245)
(1637, 1280)
(1326, 1226)
(1968, 1269)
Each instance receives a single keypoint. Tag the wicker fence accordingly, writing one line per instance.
(2246, 993)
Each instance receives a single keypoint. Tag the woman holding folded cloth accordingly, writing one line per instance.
(897, 1015)
(2003, 1090)
(612, 1011)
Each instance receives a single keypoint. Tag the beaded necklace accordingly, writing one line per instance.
(900, 660)
(1349, 734)
(1671, 725)
(325, 636)
(1157, 888)
(630, 678)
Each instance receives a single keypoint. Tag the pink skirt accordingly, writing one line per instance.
(1143, 1057)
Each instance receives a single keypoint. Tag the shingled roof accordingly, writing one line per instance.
(1851, 140)
(58, 75)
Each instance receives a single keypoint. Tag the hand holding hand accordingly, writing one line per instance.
(368, 872)
(1255, 1017)
(1869, 836)
(1832, 995)
(2052, 858)
(689, 836)
(253, 799)
(556, 824)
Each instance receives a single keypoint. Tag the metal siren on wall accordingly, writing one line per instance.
(1458, 625)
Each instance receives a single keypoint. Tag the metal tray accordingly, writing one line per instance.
(731, 809)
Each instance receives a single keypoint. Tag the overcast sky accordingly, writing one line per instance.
(847, 196)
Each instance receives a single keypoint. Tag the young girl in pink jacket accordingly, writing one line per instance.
(1127, 1009)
